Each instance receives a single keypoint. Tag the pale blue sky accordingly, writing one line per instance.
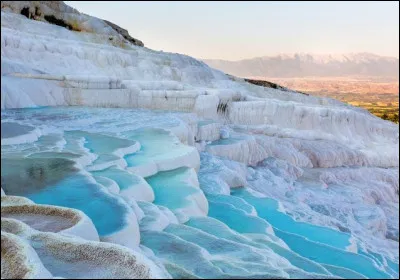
(237, 30)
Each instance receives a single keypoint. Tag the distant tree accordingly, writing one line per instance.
(395, 118)
(385, 116)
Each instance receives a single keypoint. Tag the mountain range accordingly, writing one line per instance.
(307, 65)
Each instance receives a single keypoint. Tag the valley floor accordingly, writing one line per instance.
(378, 95)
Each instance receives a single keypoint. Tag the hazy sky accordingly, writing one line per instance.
(237, 30)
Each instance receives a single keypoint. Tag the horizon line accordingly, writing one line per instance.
(301, 53)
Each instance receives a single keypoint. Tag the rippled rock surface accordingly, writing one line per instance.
(137, 185)
(118, 161)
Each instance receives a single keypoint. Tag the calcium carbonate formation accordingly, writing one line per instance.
(123, 162)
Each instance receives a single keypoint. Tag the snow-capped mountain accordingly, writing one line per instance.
(307, 65)
(118, 161)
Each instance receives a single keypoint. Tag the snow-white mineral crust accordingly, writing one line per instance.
(123, 162)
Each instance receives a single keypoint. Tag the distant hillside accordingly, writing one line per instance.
(307, 65)
(268, 84)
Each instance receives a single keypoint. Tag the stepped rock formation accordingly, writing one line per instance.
(123, 162)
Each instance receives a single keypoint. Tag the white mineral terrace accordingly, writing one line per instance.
(123, 162)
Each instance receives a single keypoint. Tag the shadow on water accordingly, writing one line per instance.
(24, 176)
